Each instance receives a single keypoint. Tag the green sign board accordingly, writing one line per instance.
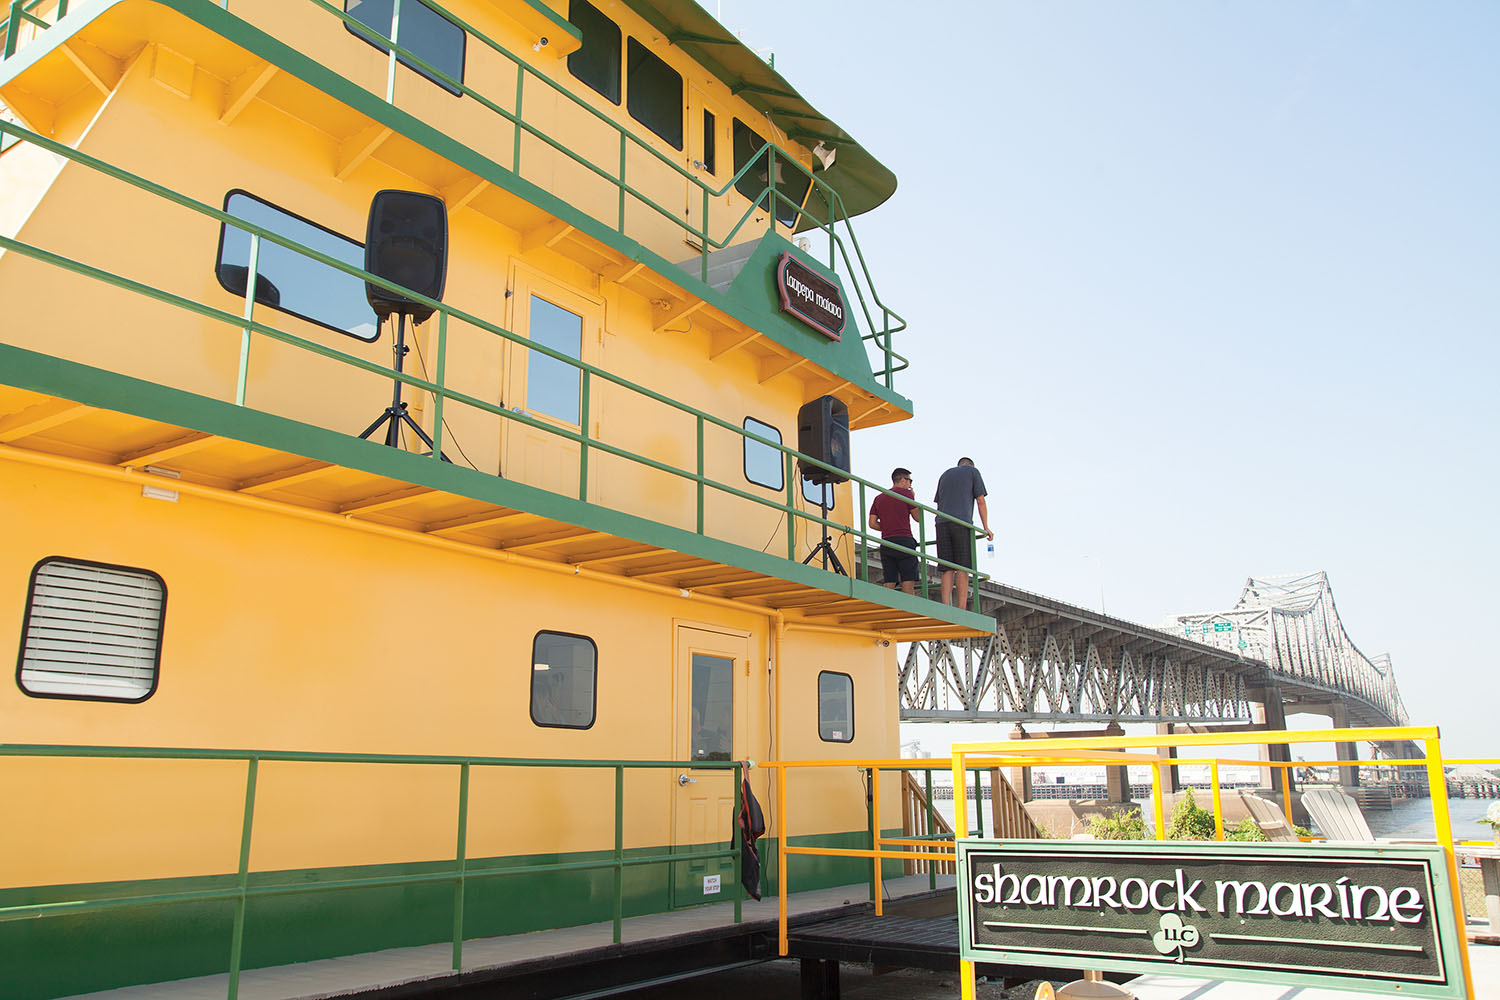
(1223, 626)
(1374, 919)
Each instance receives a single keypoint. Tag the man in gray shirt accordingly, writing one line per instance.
(958, 490)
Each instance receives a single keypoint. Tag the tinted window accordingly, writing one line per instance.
(290, 281)
(818, 494)
(597, 60)
(552, 386)
(424, 33)
(653, 93)
(710, 143)
(791, 182)
(563, 673)
(764, 465)
(713, 707)
(835, 707)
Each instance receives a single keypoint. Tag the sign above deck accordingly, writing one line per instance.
(810, 297)
(1381, 920)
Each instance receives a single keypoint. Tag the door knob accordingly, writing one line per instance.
(683, 779)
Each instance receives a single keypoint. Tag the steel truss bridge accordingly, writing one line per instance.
(1281, 649)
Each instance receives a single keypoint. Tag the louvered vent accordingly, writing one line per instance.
(92, 632)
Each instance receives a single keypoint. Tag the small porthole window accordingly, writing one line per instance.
(563, 671)
(835, 707)
(764, 465)
(92, 632)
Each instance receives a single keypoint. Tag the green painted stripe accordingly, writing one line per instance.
(76, 953)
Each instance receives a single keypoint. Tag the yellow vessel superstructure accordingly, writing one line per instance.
(606, 555)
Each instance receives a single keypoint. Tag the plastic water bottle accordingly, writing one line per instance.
(990, 549)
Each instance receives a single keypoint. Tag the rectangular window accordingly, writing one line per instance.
(835, 707)
(764, 465)
(713, 707)
(289, 281)
(91, 631)
(818, 494)
(423, 32)
(790, 180)
(653, 93)
(710, 142)
(597, 60)
(564, 669)
(553, 387)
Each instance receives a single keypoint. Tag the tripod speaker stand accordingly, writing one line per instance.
(825, 547)
(406, 242)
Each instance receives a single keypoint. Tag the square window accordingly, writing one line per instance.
(92, 632)
(289, 281)
(563, 670)
(835, 707)
(424, 33)
(764, 465)
(597, 61)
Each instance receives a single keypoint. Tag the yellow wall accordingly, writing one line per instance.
(284, 633)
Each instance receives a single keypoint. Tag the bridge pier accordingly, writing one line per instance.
(1270, 713)
(1170, 781)
(1348, 776)
(1116, 777)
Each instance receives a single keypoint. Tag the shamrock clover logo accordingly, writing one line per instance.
(1174, 935)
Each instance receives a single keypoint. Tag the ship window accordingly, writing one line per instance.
(713, 707)
(425, 33)
(764, 465)
(552, 386)
(791, 181)
(563, 669)
(710, 143)
(818, 494)
(287, 280)
(597, 60)
(91, 631)
(653, 93)
(835, 707)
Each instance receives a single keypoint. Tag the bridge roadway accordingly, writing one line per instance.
(1050, 661)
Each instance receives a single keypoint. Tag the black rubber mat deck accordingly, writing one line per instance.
(912, 942)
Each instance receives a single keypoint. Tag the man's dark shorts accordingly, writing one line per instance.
(897, 565)
(955, 544)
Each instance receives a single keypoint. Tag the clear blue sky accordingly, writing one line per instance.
(1207, 290)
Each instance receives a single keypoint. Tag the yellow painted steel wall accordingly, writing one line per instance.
(285, 633)
(294, 166)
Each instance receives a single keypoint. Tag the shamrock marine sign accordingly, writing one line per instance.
(1375, 919)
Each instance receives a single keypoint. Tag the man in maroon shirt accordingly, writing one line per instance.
(891, 516)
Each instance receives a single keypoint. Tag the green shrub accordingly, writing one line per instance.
(1246, 829)
(1190, 821)
(1118, 824)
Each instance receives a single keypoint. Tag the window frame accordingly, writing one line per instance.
(463, 49)
(819, 692)
(619, 48)
(531, 685)
(240, 293)
(736, 125)
(161, 631)
(780, 485)
(679, 137)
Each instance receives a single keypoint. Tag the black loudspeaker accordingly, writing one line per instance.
(406, 242)
(823, 433)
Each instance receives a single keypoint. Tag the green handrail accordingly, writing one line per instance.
(768, 196)
(247, 325)
(242, 892)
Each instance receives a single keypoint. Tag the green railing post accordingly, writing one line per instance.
(791, 502)
(771, 196)
(619, 914)
(12, 28)
(390, 73)
(252, 278)
(622, 182)
(863, 572)
(583, 446)
(248, 822)
(703, 250)
(734, 829)
(701, 475)
(515, 154)
(461, 853)
(441, 367)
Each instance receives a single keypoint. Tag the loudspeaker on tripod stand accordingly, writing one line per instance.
(823, 433)
(406, 242)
